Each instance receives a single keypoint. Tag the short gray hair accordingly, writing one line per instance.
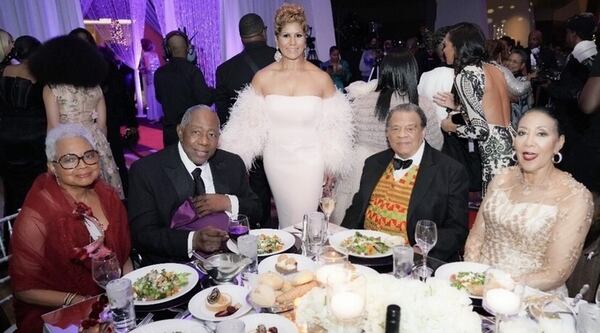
(407, 107)
(64, 131)
(187, 116)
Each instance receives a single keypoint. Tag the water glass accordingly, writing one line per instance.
(248, 247)
(403, 261)
(316, 233)
(106, 269)
(120, 299)
(588, 318)
(231, 326)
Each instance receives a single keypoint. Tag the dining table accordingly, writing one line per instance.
(67, 320)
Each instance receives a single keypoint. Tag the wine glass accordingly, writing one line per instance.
(105, 269)
(501, 295)
(327, 204)
(426, 237)
(238, 226)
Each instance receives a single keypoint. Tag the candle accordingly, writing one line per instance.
(502, 301)
(346, 305)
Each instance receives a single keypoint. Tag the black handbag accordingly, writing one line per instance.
(458, 149)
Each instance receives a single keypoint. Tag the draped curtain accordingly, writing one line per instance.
(40, 19)
(123, 39)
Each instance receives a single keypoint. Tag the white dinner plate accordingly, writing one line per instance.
(170, 267)
(287, 239)
(336, 240)
(445, 271)
(304, 263)
(282, 324)
(172, 325)
(198, 309)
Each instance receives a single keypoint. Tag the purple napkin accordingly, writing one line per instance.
(185, 218)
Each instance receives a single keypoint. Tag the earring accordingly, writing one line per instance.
(277, 55)
(513, 157)
(554, 160)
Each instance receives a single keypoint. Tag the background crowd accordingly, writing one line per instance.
(439, 123)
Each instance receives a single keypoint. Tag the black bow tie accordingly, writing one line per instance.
(401, 164)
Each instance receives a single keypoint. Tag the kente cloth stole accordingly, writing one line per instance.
(388, 207)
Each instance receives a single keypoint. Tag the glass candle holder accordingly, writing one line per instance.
(346, 300)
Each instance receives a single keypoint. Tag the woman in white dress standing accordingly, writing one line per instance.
(292, 114)
(150, 63)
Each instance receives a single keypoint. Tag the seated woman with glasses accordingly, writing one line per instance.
(68, 218)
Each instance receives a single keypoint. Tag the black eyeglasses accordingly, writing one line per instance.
(71, 161)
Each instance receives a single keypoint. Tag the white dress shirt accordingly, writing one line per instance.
(416, 160)
(209, 186)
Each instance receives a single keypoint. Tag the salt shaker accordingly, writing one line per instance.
(120, 299)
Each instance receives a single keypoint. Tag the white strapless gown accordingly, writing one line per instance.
(293, 156)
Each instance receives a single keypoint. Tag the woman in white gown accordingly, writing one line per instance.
(292, 115)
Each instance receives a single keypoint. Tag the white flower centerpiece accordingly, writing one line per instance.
(433, 306)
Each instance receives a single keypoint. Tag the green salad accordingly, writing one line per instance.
(158, 285)
(365, 245)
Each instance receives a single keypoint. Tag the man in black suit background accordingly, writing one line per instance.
(161, 182)
(409, 182)
(232, 76)
(179, 84)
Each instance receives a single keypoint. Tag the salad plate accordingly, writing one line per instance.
(164, 282)
(269, 320)
(364, 243)
(236, 296)
(470, 270)
(172, 325)
(271, 241)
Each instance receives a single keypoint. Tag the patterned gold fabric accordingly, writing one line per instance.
(388, 207)
(535, 233)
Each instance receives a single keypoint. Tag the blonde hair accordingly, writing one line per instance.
(6, 40)
(290, 13)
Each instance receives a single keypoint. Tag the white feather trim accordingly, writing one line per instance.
(245, 133)
(360, 88)
(337, 135)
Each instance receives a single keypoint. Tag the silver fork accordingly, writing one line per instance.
(146, 319)
(183, 314)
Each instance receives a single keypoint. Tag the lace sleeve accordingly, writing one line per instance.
(245, 133)
(568, 236)
(470, 87)
(516, 87)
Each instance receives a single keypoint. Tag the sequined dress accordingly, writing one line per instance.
(536, 233)
(78, 105)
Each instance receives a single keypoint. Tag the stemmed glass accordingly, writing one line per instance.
(105, 269)
(501, 295)
(238, 226)
(327, 204)
(426, 238)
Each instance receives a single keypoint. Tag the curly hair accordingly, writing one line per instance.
(68, 60)
(469, 43)
(290, 13)
(24, 47)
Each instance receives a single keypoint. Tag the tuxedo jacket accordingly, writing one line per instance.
(440, 194)
(159, 184)
(235, 73)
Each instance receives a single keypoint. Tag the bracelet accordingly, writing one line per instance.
(69, 299)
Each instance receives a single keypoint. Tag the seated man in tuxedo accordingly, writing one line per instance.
(409, 182)
(215, 180)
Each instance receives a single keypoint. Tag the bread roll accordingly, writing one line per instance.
(302, 278)
(263, 296)
(292, 294)
(271, 279)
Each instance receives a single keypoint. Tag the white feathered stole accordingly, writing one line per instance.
(246, 131)
(337, 134)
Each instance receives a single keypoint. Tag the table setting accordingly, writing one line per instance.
(320, 277)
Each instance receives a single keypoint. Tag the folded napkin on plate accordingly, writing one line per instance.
(185, 218)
